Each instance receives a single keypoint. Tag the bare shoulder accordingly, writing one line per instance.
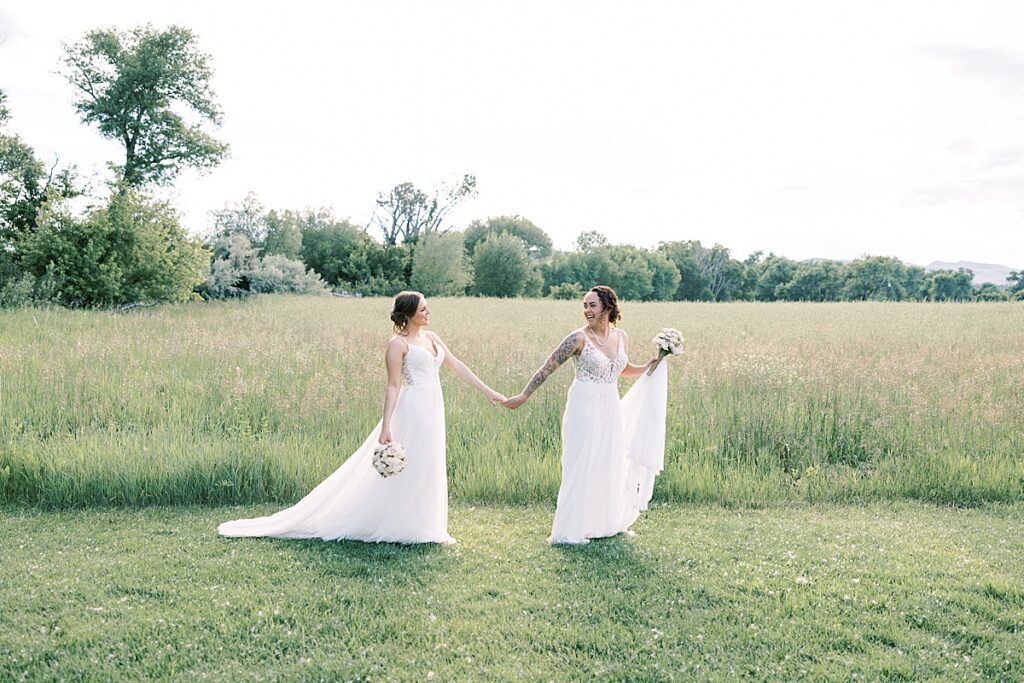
(397, 344)
(624, 338)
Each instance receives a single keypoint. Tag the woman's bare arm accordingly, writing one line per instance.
(569, 347)
(393, 358)
(632, 370)
(463, 372)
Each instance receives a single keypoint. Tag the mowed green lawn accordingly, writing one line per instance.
(898, 591)
(257, 401)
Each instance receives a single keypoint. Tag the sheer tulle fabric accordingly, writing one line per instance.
(612, 448)
(355, 502)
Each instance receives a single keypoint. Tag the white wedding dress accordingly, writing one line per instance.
(355, 502)
(612, 448)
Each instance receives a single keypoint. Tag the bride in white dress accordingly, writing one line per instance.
(357, 503)
(611, 449)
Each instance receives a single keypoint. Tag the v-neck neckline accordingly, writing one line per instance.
(618, 347)
(433, 354)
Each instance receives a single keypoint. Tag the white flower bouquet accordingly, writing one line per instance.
(388, 459)
(669, 342)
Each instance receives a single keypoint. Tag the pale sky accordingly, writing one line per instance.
(811, 129)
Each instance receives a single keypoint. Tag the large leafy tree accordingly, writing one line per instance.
(773, 275)
(26, 184)
(916, 283)
(407, 212)
(284, 236)
(149, 90)
(440, 266)
(347, 257)
(268, 232)
(329, 246)
(501, 266)
(951, 285)
(636, 274)
(875, 278)
(693, 286)
(706, 273)
(989, 292)
(665, 276)
(536, 241)
(581, 268)
(812, 281)
(632, 276)
(723, 273)
(590, 240)
(1016, 280)
(247, 217)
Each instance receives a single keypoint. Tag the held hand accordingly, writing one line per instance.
(514, 402)
(652, 364)
(385, 436)
(494, 397)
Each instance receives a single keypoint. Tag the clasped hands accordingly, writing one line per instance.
(514, 402)
(499, 399)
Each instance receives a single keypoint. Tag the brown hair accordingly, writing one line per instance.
(406, 304)
(609, 301)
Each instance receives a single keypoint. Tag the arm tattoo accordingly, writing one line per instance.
(563, 353)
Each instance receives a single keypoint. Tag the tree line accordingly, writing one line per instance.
(149, 90)
(510, 256)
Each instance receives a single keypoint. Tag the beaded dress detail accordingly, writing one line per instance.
(610, 446)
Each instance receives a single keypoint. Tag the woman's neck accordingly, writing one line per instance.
(602, 327)
(413, 331)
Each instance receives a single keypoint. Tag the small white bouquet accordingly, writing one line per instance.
(388, 459)
(669, 342)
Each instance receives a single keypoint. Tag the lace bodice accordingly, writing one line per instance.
(596, 368)
(421, 366)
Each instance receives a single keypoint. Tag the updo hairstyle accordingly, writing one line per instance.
(609, 301)
(404, 310)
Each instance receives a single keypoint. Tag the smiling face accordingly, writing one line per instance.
(593, 312)
(422, 316)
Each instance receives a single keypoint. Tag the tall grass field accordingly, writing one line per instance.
(257, 401)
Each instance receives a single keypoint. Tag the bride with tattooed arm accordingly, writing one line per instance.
(602, 490)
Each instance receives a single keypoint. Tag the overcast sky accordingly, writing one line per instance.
(817, 129)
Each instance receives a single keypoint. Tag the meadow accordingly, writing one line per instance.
(256, 401)
(794, 535)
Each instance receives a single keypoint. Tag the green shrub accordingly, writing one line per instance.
(132, 249)
(18, 292)
(566, 290)
(237, 271)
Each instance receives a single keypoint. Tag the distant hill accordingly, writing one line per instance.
(983, 272)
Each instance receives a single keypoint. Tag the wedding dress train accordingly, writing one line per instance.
(355, 502)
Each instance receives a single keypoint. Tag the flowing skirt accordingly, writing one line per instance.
(612, 450)
(356, 503)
